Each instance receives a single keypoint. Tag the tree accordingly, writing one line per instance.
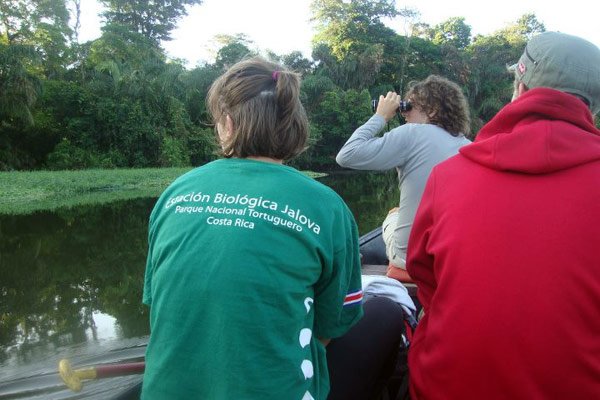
(337, 115)
(453, 31)
(43, 24)
(20, 19)
(452, 37)
(423, 58)
(155, 19)
(18, 86)
(523, 29)
(19, 90)
(489, 84)
(125, 47)
(313, 89)
(297, 62)
(233, 49)
(398, 67)
(345, 26)
(357, 71)
(356, 49)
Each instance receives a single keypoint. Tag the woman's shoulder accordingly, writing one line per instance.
(427, 132)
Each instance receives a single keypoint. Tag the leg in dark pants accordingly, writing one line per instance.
(359, 360)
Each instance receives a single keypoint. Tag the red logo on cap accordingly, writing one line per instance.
(522, 68)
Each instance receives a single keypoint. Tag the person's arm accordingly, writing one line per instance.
(338, 292)
(148, 275)
(365, 151)
(419, 263)
(361, 149)
(324, 341)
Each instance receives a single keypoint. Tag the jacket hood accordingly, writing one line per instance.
(543, 131)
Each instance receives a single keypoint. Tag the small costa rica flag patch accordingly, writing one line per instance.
(354, 297)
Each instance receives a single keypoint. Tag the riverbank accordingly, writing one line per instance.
(25, 192)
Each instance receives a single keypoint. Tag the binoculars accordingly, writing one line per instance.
(402, 107)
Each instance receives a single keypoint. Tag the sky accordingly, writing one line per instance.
(284, 26)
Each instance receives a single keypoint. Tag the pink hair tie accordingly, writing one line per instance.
(275, 75)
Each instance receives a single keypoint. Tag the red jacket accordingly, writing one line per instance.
(505, 250)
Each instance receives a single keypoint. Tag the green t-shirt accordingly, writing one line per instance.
(249, 263)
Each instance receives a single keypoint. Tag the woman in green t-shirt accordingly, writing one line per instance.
(252, 267)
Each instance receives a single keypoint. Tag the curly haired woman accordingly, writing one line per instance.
(437, 119)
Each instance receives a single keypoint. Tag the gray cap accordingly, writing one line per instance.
(562, 62)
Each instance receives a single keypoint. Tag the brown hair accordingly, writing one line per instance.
(443, 102)
(263, 101)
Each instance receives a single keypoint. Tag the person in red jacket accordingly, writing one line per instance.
(505, 247)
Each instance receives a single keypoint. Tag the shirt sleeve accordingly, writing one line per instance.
(365, 151)
(338, 294)
(419, 263)
(147, 292)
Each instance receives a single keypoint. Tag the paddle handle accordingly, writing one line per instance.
(74, 378)
(105, 371)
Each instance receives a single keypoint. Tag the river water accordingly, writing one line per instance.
(71, 287)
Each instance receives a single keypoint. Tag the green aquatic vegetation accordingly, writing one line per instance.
(25, 192)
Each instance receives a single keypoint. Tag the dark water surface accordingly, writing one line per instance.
(71, 286)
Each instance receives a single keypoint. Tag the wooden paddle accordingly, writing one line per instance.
(73, 377)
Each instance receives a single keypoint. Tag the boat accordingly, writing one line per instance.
(374, 262)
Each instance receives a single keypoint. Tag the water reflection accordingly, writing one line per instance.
(63, 271)
(370, 196)
(72, 279)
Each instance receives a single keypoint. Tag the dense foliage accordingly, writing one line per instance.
(118, 101)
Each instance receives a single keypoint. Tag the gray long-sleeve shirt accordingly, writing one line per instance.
(413, 149)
